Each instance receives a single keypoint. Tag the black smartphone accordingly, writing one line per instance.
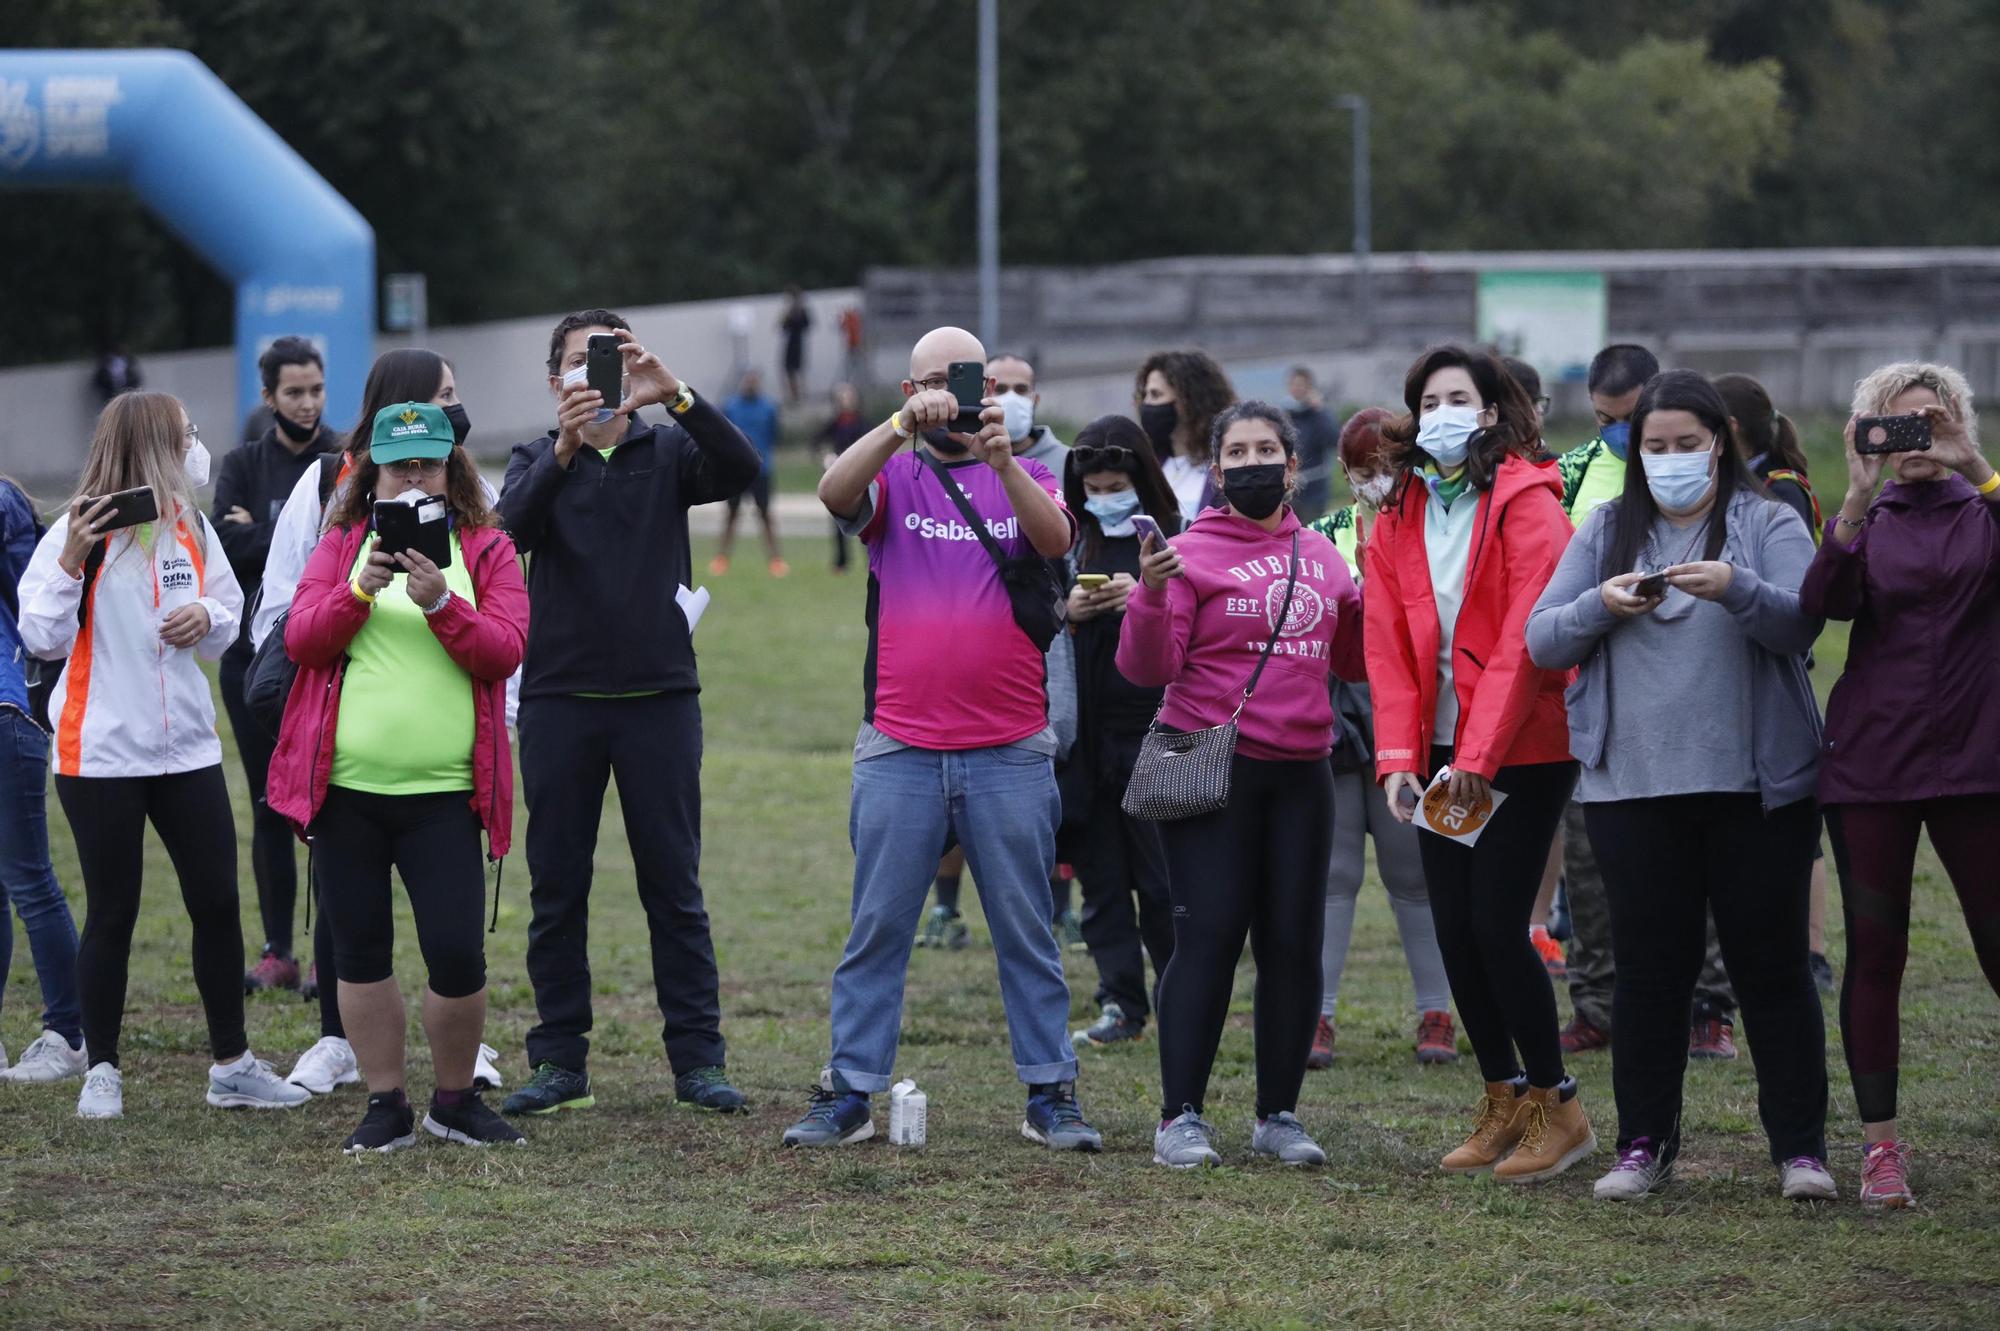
(422, 527)
(1892, 434)
(604, 368)
(128, 508)
(967, 381)
(1656, 585)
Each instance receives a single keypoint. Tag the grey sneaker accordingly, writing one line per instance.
(1637, 1173)
(1111, 1027)
(1285, 1139)
(1185, 1143)
(1056, 1120)
(254, 1087)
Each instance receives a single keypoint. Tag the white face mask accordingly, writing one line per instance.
(578, 375)
(1375, 490)
(1446, 433)
(1020, 417)
(195, 463)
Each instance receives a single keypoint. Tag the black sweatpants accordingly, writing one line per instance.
(1127, 905)
(1256, 866)
(190, 812)
(273, 846)
(433, 842)
(570, 748)
(1481, 898)
(1667, 862)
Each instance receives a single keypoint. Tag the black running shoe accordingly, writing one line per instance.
(550, 1089)
(709, 1088)
(389, 1125)
(471, 1122)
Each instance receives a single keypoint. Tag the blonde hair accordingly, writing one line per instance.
(139, 442)
(1873, 394)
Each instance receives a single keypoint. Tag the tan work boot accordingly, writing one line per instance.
(1557, 1135)
(1502, 1119)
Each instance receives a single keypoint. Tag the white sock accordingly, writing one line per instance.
(234, 1066)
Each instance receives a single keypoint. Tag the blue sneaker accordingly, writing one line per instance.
(1056, 1120)
(834, 1118)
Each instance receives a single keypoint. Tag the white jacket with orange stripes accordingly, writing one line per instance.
(127, 704)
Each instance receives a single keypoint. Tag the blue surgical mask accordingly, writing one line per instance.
(1446, 434)
(1678, 480)
(1114, 511)
(1617, 437)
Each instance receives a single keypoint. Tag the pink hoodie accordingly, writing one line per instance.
(1201, 635)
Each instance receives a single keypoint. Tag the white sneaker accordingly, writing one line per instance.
(1806, 1179)
(329, 1063)
(48, 1059)
(1637, 1173)
(103, 1094)
(249, 1083)
(485, 1072)
(3, 1058)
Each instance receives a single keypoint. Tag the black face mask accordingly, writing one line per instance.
(298, 434)
(1158, 420)
(941, 442)
(461, 424)
(1255, 491)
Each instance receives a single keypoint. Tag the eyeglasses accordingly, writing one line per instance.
(936, 385)
(1102, 457)
(413, 467)
(1542, 405)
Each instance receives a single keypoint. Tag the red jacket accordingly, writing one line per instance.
(487, 643)
(1509, 711)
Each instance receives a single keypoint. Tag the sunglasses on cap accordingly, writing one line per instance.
(1102, 457)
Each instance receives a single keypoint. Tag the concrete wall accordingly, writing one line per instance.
(47, 412)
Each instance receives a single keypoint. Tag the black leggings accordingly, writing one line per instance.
(273, 847)
(190, 811)
(1667, 863)
(1481, 898)
(433, 840)
(1257, 867)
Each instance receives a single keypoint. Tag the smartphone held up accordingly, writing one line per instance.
(1892, 434)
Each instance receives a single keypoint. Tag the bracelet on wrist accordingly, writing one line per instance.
(366, 598)
(682, 402)
(1989, 485)
(438, 604)
(896, 424)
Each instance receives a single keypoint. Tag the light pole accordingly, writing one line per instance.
(1363, 208)
(989, 174)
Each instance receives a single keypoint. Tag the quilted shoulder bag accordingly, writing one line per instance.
(1184, 774)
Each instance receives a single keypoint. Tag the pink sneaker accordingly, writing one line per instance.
(271, 972)
(1885, 1177)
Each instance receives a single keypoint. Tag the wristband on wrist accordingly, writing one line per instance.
(896, 424)
(1990, 484)
(439, 604)
(366, 598)
(680, 404)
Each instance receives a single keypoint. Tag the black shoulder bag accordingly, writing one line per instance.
(1032, 590)
(267, 681)
(1184, 774)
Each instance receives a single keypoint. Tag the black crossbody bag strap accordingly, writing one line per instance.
(965, 508)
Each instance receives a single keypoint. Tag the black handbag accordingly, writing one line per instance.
(267, 684)
(1184, 774)
(1037, 598)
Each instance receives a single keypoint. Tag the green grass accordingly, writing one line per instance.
(636, 1214)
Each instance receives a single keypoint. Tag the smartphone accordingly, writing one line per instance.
(1892, 434)
(604, 368)
(967, 381)
(1645, 588)
(1091, 582)
(422, 527)
(128, 508)
(1144, 526)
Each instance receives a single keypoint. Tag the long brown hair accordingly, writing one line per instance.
(139, 442)
(1156, 497)
(1514, 430)
(463, 496)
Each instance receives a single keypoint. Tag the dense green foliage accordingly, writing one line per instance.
(573, 152)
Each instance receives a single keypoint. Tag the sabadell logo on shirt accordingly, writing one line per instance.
(933, 530)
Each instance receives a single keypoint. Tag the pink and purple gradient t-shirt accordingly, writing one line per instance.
(948, 668)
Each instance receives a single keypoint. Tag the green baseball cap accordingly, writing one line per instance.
(410, 430)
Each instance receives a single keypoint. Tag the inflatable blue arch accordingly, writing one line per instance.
(162, 125)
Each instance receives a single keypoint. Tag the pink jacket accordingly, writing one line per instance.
(1200, 636)
(487, 643)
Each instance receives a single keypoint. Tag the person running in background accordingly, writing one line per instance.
(1360, 809)
(379, 638)
(1319, 441)
(834, 438)
(28, 885)
(1913, 725)
(1244, 619)
(1111, 477)
(250, 492)
(757, 417)
(1676, 600)
(794, 324)
(1178, 395)
(954, 743)
(133, 607)
(610, 690)
(1465, 544)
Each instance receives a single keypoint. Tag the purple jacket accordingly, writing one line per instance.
(1917, 713)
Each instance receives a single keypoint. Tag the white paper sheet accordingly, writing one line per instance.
(692, 603)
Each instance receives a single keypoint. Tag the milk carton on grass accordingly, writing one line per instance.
(909, 1113)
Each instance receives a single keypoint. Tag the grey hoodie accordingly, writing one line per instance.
(1570, 624)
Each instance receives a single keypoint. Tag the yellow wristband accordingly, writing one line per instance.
(896, 424)
(1991, 484)
(359, 595)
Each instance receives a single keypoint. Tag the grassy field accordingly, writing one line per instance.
(636, 1214)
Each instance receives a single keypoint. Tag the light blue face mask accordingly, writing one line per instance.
(1114, 511)
(1617, 437)
(1679, 480)
(1446, 434)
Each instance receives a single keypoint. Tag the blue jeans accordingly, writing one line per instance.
(28, 881)
(1002, 805)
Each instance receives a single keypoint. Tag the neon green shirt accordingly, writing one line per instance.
(1591, 475)
(406, 713)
